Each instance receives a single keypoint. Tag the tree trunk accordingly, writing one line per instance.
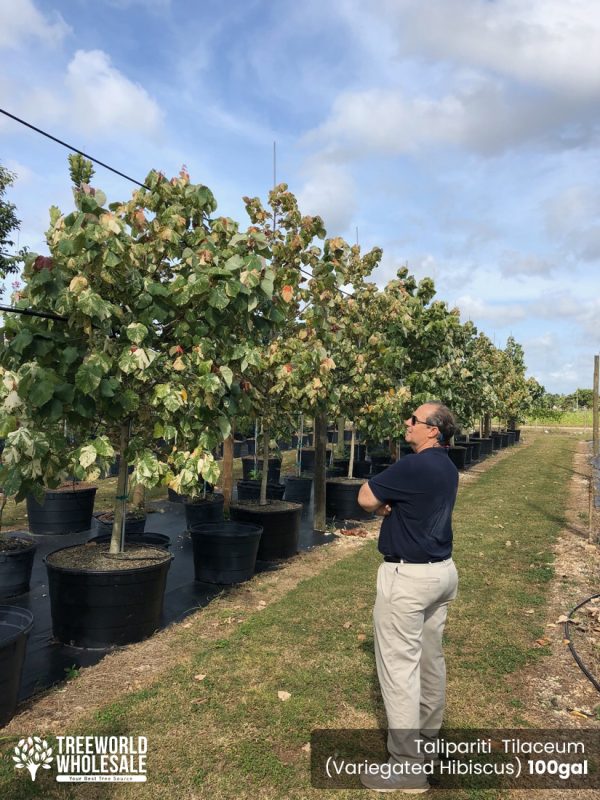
(351, 461)
(299, 448)
(117, 541)
(227, 474)
(320, 428)
(265, 469)
(339, 448)
(487, 425)
(138, 498)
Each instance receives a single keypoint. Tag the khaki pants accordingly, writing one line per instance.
(409, 616)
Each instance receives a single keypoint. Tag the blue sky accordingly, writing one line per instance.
(461, 136)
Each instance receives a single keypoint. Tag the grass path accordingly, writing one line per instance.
(229, 735)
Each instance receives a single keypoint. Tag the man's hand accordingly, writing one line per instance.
(383, 511)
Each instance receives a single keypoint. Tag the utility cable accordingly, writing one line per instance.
(103, 164)
(70, 147)
(574, 652)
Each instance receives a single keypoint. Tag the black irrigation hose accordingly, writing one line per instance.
(574, 653)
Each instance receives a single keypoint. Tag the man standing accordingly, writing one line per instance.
(415, 583)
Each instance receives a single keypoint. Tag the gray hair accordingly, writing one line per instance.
(443, 419)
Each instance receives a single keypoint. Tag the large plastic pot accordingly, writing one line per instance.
(341, 499)
(98, 609)
(297, 490)
(209, 510)
(458, 456)
(486, 447)
(15, 625)
(250, 490)
(133, 525)
(16, 566)
(274, 470)
(496, 441)
(474, 449)
(517, 433)
(145, 537)
(61, 511)
(307, 459)
(281, 528)
(361, 469)
(225, 552)
(511, 438)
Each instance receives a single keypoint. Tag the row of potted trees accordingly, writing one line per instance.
(163, 327)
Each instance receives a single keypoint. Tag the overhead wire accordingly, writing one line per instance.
(103, 164)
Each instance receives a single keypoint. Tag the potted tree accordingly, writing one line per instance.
(129, 364)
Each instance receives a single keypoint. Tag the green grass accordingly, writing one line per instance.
(582, 418)
(230, 736)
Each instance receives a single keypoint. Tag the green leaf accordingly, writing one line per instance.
(267, 285)
(218, 299)
(227, 375)
(88, 377)
(224, 426)
(21, 340)
(40, 393)
(70, 354)
(136, 332)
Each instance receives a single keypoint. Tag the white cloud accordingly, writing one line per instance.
(572, 217)
(103, 100)
(485, 118)
(330, 192)
(515, 264)
(552, 44)
(477, 309)
(21, 21)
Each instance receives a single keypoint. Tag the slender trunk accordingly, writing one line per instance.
(596, 443)
(265, 468)
(117, 542)
(227, 474)
(487, 425)
(2, 504)
(299, 447)
(138, 498)
(351, 461)
(339, 448)
(320, 429)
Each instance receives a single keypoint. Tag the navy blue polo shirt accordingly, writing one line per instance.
(421, 489)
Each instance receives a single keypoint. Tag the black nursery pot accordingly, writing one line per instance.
(145, 537)
(341, 499)
(15, 626)
(362, 469)
(297, 490)
(204, 510)
(61, 511)
(102, 608)
(133, 525)
(486, 447)
(517, 433)
(16, 565)
(274, 468)
(280, 523)
(458, 456)
(307, 459)
(225, 552)
(250, 490)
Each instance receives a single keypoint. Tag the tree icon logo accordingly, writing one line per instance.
(33, 753)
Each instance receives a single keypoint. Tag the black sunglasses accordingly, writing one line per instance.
(416, 421)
